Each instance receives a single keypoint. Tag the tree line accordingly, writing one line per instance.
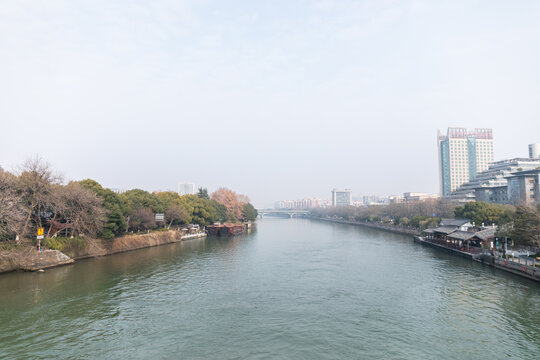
(416, 214)
(36, 197)
(521, 224)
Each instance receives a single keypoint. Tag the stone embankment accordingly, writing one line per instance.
(95, 248)
(529, 271)
(391, 228)
(27, 258)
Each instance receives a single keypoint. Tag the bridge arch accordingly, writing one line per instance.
(291, 213)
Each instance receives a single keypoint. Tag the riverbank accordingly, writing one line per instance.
(390, 228)
(489, 260)
(516, 268)
(27, 258)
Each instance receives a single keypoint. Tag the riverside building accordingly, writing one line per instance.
(512, 181)
(534, 151)
(462, 155)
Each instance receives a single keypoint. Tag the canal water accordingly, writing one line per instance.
(294, 289)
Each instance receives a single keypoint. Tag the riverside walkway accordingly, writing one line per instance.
(391, 228)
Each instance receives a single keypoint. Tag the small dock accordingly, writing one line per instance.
(193, 236)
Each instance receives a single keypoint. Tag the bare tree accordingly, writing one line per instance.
(242, 199)
(81, 208)
(175, 213)
(143, 218)
(57, 207)
(35, 185)
(11, 207)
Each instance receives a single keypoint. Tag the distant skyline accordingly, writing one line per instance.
(276, 100)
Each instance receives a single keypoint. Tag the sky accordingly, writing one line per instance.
(272, 99)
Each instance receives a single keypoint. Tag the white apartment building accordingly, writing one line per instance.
(186, 189)
(462, 155)
(341, 197)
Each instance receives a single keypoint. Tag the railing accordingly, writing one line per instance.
(527, 266)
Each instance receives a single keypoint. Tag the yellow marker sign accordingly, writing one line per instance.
(40, 231)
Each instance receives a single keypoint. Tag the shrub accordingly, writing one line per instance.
(7, 246)
(70, 246)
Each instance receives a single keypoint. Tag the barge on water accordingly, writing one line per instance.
(225, 230)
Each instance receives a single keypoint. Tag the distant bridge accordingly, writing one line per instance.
(291, 213)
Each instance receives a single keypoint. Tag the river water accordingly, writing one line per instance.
(294, 289)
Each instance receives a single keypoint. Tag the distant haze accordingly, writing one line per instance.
(273, 99)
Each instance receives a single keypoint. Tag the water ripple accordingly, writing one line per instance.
(294, 289)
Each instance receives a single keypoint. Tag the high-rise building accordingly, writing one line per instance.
(462, 155)
(341, 197)
(534, 151)
(186, 189)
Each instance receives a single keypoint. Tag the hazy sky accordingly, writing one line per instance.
(274, 99)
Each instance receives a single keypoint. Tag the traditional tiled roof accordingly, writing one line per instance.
(461, 235)
(486, 234)
(445, 229)
(454, 222)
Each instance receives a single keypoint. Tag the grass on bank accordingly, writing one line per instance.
(9, 246)
(67, 245)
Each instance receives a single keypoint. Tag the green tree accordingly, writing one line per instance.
(220, 211)
(139, 199)
(167, 199)
(115, 223)
(203, 193)
(404, 221)
(202, 211)
(526, 227)
(249, 212)
(484, 213)
(415, 221)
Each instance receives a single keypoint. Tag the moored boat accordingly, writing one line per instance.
(225, 230)
(232, 230)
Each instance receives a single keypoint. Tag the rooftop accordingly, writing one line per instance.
(486, 234)
(444, 230)
(454, 222)
(461, 235)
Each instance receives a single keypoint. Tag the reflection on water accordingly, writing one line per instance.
(295, 289)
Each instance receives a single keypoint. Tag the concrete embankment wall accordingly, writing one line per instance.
(29, 259)
(391, 228)
(529, 272)
(125, 243)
